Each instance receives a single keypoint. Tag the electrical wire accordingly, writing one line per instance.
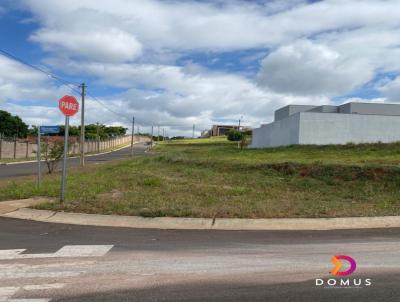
(73, 86)
(49, 74)
(106, 107)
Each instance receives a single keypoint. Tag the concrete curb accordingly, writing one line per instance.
(206, 223)
(14, 205)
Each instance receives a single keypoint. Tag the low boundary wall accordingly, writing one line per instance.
(16, 149)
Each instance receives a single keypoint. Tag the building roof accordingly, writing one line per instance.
(347, 108)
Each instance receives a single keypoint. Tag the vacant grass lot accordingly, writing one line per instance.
(212, 178)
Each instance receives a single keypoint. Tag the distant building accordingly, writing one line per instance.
(218, 130)
(321, 125)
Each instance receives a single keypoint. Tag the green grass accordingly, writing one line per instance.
(351, 154)
(212, 178)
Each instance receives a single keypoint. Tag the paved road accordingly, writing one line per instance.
(24, 169)
(42, 261)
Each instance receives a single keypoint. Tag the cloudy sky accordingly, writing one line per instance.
(179, 63)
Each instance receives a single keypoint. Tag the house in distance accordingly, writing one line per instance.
(322, 125)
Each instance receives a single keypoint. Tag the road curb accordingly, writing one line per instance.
(206, 223)
(15, 205)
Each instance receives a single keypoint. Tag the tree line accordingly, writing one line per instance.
(13, 126)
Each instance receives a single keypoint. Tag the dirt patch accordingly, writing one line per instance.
(113, 195)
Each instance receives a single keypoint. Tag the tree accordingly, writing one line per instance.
(12, 125)
(91, 131)
(72, 131)
(115, 131)
(33, 131)
(52, 152)
(235, 135)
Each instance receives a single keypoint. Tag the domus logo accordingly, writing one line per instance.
(343, 266)
(336, 260)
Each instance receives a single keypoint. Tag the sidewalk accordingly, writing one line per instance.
(18, 209)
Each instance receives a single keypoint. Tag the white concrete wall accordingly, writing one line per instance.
(327, 128)
(333, 128)
(279, 133)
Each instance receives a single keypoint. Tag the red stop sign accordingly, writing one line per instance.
(68, 105)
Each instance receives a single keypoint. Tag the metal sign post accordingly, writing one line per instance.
(69, 106)
(39, 157)
(64, 169)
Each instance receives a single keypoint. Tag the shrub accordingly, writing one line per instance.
(235, 135)
(52, 152)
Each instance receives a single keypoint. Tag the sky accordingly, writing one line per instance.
(179, 63)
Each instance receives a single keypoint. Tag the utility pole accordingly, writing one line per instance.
(239, 131)
(82, 144)
(152, 130)
(97, 137)
(39, 157)
(1, 143)
(193, 130)
(163, 134)
(158, 133)
(133, 132)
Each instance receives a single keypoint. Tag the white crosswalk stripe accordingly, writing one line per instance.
(28, 300)
(43, 286)
(66, 251)
(21, 271)
(7, 292)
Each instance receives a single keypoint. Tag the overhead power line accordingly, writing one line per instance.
(106, 107)
(49, 74)
(73, 86)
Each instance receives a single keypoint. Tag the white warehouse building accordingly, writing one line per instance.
(322, 125)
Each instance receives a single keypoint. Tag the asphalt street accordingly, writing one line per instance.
(30, 168)
(82, 263)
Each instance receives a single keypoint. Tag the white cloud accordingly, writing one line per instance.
(391, 89)
(19, 82)
(307, 68)
(172, 94)
(220, 25)
(314, 51)
(35, 115)
(111, 45)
